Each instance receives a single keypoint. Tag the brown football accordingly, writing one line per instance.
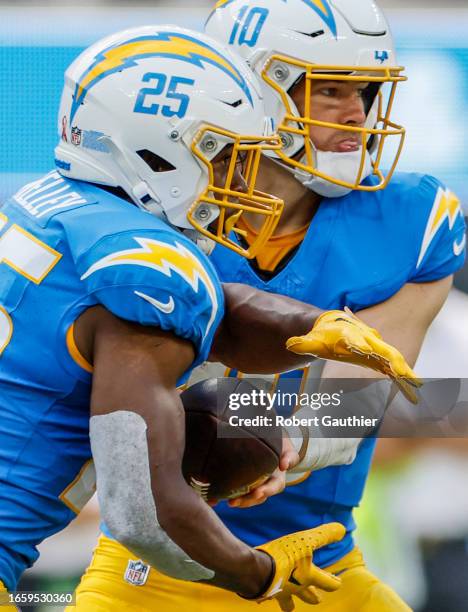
(222, 460)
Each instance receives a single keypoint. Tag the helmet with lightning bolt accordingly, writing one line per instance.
(294, 44)
(148, 110)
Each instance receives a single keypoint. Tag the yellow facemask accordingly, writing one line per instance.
(232, 204)
(381, 128)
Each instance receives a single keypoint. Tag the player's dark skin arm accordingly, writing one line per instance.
(136, 368)
(253, 333)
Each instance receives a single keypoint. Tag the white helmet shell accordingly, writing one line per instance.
(283, 40)
(137, 110)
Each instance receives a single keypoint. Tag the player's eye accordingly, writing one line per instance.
(241, 158)
(329, 92)
(226, 160)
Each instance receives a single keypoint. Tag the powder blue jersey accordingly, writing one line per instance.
(359, 250)
(66, 246)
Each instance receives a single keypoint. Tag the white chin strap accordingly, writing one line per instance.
(205, 244)
(340, 166)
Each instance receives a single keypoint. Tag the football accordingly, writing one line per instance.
(223, 460)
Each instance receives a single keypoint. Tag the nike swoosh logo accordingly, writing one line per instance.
(165, 308)
(459, 248)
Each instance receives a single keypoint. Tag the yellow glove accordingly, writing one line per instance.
(341, 336)
(294, 573)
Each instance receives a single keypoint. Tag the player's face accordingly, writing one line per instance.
(338, 102)
(221, 165)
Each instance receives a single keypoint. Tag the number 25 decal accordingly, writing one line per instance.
(28, 256)
(145, 105)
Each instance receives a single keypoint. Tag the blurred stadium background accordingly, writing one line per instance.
(413, 524)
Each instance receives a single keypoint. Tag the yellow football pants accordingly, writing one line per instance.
(103, 589)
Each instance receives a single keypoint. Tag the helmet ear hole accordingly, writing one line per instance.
(369, 95)
(298, 81)
(155, 162)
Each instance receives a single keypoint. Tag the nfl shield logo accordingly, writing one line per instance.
(76, 136)
(137, 573)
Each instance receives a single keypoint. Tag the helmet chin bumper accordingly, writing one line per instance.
(343, 168)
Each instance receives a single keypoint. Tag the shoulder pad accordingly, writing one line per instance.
(440, 231)
(156, 278)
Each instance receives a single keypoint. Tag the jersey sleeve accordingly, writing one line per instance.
(440, 232)
(156, 279)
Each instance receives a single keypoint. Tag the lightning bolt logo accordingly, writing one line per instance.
(446, 206)
(164, 44)
(166, 259)
(222, 4)
(321, 7)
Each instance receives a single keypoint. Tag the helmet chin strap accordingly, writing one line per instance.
(341, 166)
(205, 244)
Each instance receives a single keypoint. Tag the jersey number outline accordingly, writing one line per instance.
(78, 493)
(34, 259)
(28, 256)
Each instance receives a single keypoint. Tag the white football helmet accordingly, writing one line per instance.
(285, 41)
(148, 109)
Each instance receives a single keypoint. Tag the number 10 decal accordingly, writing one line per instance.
(252, 24)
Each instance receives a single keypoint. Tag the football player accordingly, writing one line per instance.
(106, 307)
(350, 236)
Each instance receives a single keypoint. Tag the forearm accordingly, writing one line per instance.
(317, 448)
(187, 519)
(256, 326)
(150, 509)
(137, 434)
(373, 394)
